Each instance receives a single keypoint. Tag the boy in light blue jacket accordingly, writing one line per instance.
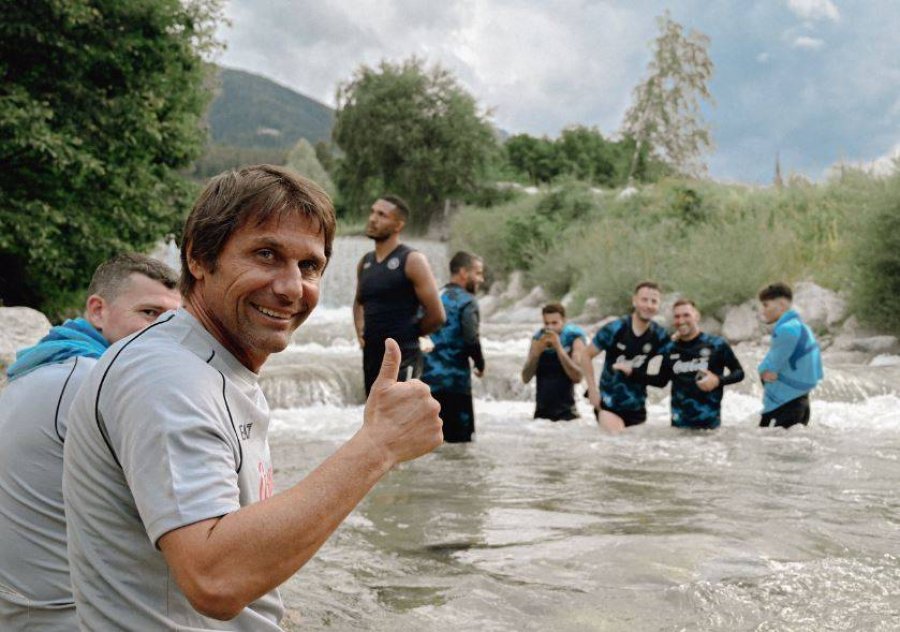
(793, 365)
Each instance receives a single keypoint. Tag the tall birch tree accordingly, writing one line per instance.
(666, 113)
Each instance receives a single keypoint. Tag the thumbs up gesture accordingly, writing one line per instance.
(401, 418)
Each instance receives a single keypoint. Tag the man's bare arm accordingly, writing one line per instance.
(358, 313)
(224, 564)
(419, 273)
(531, 363)
(570, 364)
(587, 370)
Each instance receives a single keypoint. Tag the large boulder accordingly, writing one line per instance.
(536, 298)
(741, 323)
(19, 327)
(819, 307)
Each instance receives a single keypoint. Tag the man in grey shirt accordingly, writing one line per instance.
(126, 294)
(173, 519)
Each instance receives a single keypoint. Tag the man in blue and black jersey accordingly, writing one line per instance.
(695, 362)
(793, 365)
(447, 367)
(618, 400)
(553, 357)
(396, 294)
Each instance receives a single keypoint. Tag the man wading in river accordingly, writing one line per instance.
(396, 294)
(174, 522)
(793, 365)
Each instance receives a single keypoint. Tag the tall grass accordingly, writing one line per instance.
(714, 242)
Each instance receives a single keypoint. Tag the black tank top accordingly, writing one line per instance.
(390, 304)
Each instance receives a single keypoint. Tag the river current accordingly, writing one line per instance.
(556, 526)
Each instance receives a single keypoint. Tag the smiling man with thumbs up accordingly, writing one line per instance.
(173, 518)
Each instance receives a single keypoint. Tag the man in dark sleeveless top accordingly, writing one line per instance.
(396, 294)
(553, 357)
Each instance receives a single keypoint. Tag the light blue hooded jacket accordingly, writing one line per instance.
(795, 357)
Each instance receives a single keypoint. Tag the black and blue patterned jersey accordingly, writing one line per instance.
(681, 363)
(447, 365)
(555, 390)
(617, 339)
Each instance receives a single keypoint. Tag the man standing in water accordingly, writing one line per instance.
(631, 340)
(174, 522)
(695, 363)
(793, 365)
(447, 369)
(554, 358)
(126, 294)
(396, 294)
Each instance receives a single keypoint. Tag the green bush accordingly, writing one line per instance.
(713, 242)
(876, 257)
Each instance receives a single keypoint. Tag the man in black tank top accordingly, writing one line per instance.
(396, 293)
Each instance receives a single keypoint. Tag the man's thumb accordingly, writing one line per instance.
(390, 366)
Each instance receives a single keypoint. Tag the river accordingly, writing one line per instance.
(543, 526)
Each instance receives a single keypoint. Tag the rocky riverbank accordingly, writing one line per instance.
(842, 338)
(844, 341)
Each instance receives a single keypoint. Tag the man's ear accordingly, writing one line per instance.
(197, 269)
(95, 311)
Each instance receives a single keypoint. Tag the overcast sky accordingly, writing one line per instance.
(816, 80)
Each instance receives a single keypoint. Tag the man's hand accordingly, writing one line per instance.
(623, 367)
(551, 339)
(401, 418)
(768, 376)
(478, 373)
(708, 382)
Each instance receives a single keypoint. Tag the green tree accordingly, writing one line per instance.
(302, 159)
(665, 113)
(100, 105)
(412, 131)
(536, 157)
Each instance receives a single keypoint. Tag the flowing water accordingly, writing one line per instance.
(543, 526)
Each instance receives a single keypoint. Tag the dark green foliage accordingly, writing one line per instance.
(581, 153)
(100, 105)
(876, 292)
(252, 111)
(532, 234)
(411, 131)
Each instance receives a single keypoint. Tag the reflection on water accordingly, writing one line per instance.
(541, 526)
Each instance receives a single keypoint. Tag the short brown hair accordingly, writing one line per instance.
(685, 301)
(776, 290)
(256, 193)
(111, 275)
(647, 284)
(554, 308)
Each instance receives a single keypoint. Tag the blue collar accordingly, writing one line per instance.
(73, 338)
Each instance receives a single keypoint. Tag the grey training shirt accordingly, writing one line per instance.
(35, 593)
(168, 430)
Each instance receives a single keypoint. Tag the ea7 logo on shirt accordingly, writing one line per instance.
(245, 431)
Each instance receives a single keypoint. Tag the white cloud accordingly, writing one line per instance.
(810, 43)
(763, 58)
(885, 165)
(815, 9)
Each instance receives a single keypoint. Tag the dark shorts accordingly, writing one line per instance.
(457, 415)
(557, 415)
(794, 412)
(630, 417)
(410, 364)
